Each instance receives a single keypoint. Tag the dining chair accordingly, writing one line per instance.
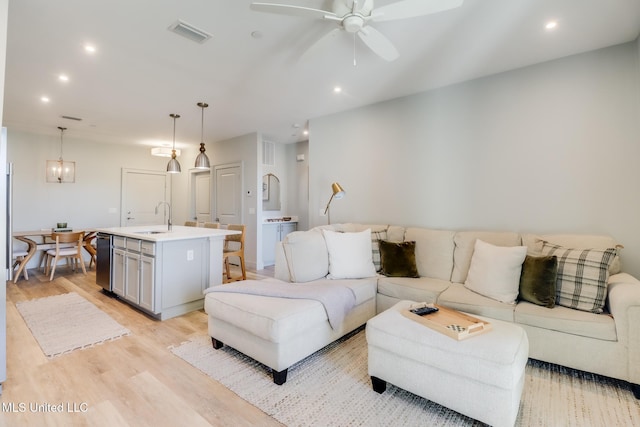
(89, 245)
(234, 247)
(18, 257)
(72, 254)
(190, 224)
(211, 225)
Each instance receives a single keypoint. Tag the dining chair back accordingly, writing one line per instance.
(234, 247)
(211, 225)
(191, 223)
(72, 254)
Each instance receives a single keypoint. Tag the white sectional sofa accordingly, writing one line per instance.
(607, 343)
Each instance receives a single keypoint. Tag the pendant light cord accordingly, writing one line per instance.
(61, 141)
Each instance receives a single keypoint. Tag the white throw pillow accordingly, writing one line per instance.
(349, 254)
(495, 271)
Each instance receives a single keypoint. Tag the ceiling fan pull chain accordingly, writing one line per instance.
(354, 50)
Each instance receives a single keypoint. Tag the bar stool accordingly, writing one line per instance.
(234, 247)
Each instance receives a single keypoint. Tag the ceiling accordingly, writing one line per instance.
(141, 72)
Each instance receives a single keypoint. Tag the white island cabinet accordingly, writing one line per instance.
(164, 273)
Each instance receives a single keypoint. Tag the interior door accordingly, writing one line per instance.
(229, 194)
(141, 192)
(201, 196)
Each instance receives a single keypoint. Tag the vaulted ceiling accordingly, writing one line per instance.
(252, 72)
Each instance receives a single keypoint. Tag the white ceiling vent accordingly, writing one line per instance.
(268, 153)
(189, 31)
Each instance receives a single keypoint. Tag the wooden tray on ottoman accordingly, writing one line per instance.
(450, 322)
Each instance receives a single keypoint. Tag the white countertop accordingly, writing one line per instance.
(160, 232)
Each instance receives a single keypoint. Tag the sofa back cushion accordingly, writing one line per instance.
(464, 242)
(306, 255)
(534, 244)
(434, 251)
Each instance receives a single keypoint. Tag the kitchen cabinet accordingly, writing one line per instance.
(165, 272)
(273, 233)
(134, 272)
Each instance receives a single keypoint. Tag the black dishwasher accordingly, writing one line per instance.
(103, 261)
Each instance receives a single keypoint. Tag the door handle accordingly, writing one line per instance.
(128, 218)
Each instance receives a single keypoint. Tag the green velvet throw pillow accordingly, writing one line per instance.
(398, 259)
(538, 280)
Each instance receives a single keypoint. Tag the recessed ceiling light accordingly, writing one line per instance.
(89, 48)
(337, 89)
(305, 132)
(63, 78)
(256, 34)
(551, 25)
(44, 99)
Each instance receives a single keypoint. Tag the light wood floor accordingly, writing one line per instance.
(132, 381)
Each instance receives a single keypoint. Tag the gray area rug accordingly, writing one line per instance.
(67, 322)
(332, 388)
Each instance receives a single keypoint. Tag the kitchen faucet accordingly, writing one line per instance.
(168, 219)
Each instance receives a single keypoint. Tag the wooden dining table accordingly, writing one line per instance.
(37, 241)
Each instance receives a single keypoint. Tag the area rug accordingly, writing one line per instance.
(67, 322)
(332, 388)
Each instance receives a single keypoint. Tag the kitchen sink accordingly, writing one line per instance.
(151, 232)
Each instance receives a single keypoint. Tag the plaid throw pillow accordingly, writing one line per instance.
(582, 276)
(375, 247)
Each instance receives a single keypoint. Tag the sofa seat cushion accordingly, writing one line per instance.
(421, 289)
(458, 297)
(567, 320)
(363, 289)
(272, 319)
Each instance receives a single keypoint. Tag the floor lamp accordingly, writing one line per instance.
(338, 193)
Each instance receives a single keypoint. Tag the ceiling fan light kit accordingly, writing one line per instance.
(354, 16)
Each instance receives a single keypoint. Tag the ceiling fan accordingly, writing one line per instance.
(354, 16)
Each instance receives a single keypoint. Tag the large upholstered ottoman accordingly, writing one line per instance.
(481, 377)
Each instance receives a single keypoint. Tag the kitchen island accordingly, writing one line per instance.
(162, 272)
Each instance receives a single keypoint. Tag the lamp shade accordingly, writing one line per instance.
(173, 166)
(338, 191)
(202, 161)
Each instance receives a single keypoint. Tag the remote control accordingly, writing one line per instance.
(423, 311)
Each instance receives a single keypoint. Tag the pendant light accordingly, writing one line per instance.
(202, 161)
(173, 166)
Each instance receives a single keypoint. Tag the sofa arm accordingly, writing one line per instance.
(281, 268)
(624, 305)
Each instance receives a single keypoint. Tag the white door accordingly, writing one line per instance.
(201, 196)
(229, 194)
(141, 193)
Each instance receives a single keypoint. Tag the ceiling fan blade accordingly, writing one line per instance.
(378, 43)
(320, 42)
(412, 8)
(287, 9)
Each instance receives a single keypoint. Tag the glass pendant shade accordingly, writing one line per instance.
(202, 161)
(173, 166)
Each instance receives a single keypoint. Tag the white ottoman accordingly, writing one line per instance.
(481, 377)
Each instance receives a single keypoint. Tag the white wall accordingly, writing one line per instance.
(246, 149)
(85, 203)
(552, 147)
